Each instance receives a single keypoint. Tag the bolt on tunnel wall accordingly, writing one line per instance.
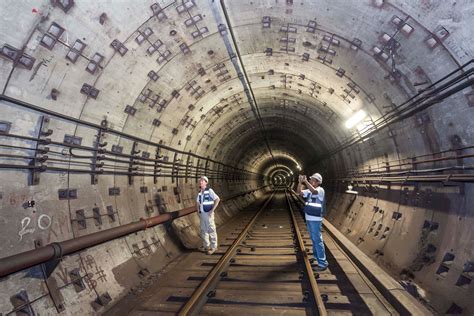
(110, 113)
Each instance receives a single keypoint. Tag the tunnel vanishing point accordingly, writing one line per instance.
(110, 111)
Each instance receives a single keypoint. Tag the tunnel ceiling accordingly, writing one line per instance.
(111, 110)
(182, 74)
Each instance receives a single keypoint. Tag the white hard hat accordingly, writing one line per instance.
(205, 179)
(317, 177)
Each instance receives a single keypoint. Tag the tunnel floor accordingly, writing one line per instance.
(265, 276)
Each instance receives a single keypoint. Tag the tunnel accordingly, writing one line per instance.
(111, 111)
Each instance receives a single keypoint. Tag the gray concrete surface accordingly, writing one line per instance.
(310, 64)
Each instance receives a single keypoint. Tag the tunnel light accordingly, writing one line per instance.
(350, 191)
(298, 167)
(356, 118)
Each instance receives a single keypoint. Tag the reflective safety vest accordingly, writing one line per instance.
(205, 200)
(314, 206)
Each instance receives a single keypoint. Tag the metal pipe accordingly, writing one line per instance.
(415, 162)
(409, 171)
(411, 108)
(106, 152)
(142, 173)
(162, 164)
(469, 177)
(33, 107)
(454, 177)
(57, 250)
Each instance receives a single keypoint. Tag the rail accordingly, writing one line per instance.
(316, 294)
(391, 290)
(200, 295)
(57, 250)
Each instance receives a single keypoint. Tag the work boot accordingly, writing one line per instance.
(203, 249)
(319, 269)
(211, 251)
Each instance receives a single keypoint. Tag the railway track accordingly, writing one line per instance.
(262, 267)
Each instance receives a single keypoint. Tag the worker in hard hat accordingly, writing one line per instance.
(314, 212)
(207, 201)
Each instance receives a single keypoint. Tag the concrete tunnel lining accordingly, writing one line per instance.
(310, 66)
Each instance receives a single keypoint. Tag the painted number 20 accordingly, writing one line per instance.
(44, 222)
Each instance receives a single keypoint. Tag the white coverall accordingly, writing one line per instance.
(208, 226)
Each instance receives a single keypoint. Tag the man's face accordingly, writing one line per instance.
(313, 182)
(202, 183)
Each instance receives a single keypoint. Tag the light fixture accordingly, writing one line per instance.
(356, 118)
(349, 190)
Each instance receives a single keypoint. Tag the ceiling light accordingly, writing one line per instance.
(356, 118)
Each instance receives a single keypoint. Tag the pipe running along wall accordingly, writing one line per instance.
(110, 114)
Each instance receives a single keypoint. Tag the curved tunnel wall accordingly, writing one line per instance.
(178, 74)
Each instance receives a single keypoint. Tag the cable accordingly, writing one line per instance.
(246, 83)
(415, 104)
